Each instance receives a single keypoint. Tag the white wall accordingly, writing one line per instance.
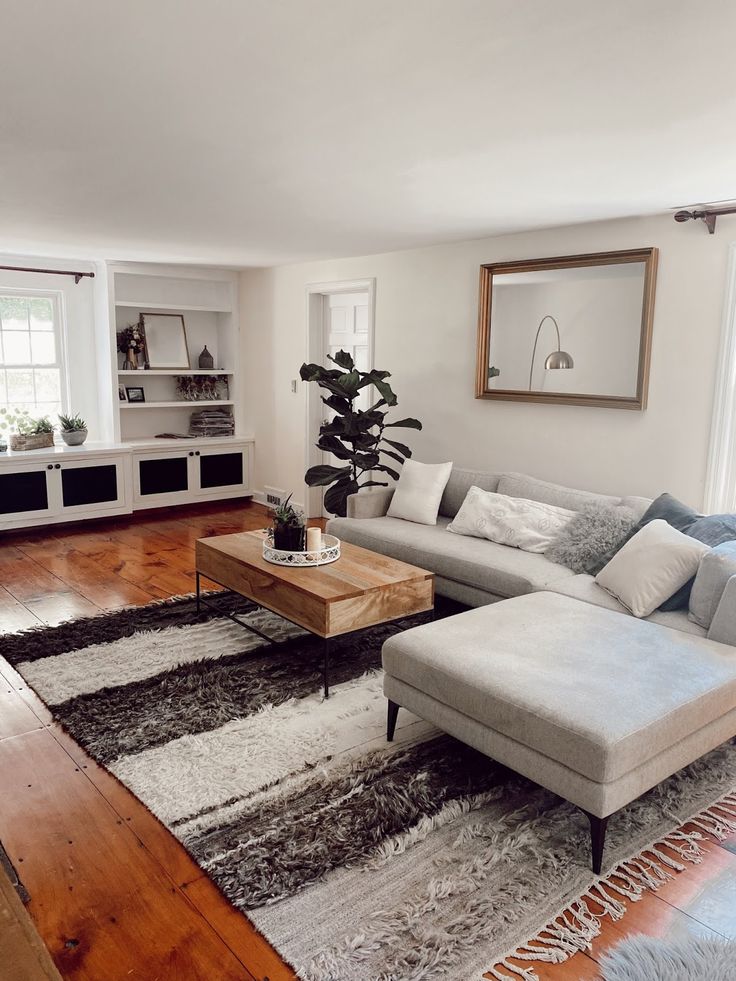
(426, 316)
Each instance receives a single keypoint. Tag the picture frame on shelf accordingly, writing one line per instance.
(165, 340)
(122, 394)
(135, 393)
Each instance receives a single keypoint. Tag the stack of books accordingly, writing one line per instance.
(212, 422)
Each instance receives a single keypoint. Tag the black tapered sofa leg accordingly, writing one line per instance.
(598, 828)
(393, 714)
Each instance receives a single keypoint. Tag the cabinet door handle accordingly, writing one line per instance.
(57, 466)
(196, 452)
(191, 453)
(50, 466)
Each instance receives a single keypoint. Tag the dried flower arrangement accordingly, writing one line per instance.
(202, 388)
(131, 338)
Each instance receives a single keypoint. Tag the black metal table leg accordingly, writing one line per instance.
(326, 666)
(199, 601)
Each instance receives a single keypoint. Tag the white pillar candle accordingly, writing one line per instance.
(314, 539)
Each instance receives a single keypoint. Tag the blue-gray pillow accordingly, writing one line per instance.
(665, 507)
(711, 529)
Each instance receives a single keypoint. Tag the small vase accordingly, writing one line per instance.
(131, 362)
(206, 361)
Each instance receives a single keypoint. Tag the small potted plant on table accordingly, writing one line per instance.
(73, 429)
(288, 527)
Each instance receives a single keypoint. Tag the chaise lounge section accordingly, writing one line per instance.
(576, 697)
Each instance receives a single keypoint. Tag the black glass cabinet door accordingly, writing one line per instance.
(23, 491)
(89, 485)
(165, 476)
(221, 470)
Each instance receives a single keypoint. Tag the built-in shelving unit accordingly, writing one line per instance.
(207, 300)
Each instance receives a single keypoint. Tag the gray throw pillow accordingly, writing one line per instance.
(594, 530)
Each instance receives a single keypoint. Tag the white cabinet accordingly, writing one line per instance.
(97, 480)
(196, 472)
(62, 485)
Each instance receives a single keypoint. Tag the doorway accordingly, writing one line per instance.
(340, 316)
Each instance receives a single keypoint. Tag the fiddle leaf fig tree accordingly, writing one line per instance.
(354, 436)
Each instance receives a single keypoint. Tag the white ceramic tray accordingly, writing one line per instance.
(329, 552)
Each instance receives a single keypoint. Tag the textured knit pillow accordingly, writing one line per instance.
(651, 566)
(528, 525)
(595, 529)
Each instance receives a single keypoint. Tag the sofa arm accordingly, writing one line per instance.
(370, 504)
(723, 626)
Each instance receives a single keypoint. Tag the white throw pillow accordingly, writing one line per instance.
(651, 567)
(515, 521)
(419, 492)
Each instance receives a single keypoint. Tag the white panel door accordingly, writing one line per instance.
(347, 328)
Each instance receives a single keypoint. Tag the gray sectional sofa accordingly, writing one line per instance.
(553, 681)
(472, 570)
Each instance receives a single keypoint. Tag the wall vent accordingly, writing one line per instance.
(274, 496)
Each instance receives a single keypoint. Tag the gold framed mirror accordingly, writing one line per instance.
(576, 329)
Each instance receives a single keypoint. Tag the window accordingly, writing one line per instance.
(31, 353)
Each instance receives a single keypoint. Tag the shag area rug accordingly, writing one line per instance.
(641, 958)
(359, 860)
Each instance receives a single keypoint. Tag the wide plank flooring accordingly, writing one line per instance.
(113, 895)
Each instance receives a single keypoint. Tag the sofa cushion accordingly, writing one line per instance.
(498, 569)
(593, 530)
(715, 569)
(521, 485)
(651, 567)
(584, 587)
(419, 491)
(460, 483)
(513, 521)
(555, 674)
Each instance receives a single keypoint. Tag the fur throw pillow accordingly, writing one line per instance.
(595, 529)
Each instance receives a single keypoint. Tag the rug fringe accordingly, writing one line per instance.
(576, 926)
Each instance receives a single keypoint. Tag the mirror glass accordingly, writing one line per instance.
(570, 333)
(166, 340)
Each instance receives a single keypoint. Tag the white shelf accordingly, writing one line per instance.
(179, 404)
(142, 372)
(153, 441)
(152, 307)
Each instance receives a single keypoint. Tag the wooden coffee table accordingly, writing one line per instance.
(359, 590)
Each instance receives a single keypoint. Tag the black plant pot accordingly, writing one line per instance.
(289, 538)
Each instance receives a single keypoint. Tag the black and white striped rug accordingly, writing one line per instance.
(358, 860)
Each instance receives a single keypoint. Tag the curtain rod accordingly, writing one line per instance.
(54, 272)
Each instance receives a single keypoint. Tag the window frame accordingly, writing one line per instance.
(56, 297)
(720, 483)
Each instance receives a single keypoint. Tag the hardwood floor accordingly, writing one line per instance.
(113, 895)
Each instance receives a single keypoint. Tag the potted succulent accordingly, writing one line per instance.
(288, 527)
(73, 429)
(32, 434)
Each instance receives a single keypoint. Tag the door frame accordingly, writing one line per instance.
(316, 294)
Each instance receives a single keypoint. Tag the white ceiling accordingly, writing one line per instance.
(252, 132)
